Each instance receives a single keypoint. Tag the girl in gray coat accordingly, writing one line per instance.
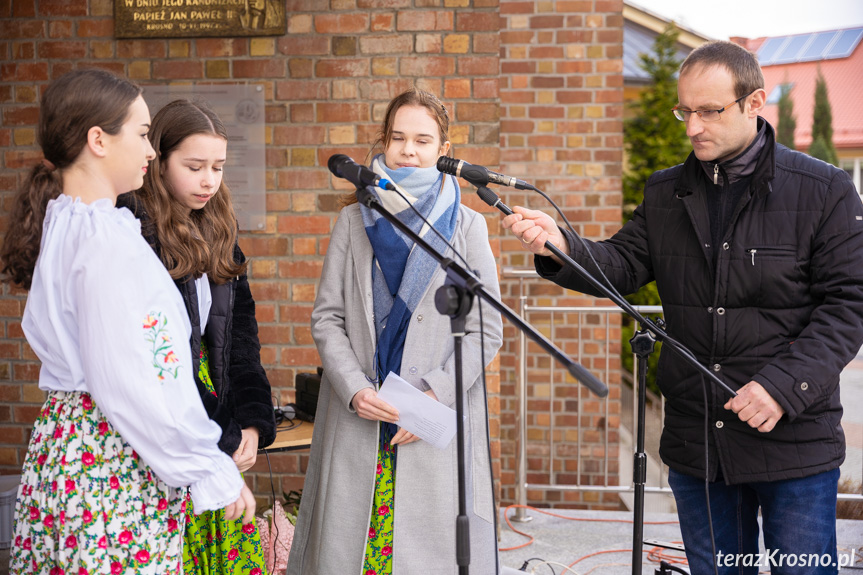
(377, 500)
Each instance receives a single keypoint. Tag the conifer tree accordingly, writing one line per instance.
(654, 140)
(822, 125)
(786, 123)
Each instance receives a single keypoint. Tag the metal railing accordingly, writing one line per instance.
(521, 470)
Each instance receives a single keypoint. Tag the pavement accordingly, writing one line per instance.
(600, 542)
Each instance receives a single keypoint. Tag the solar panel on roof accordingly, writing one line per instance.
(791, 50)
(769, 50)
(818, 45)
(845, 44)
(809, 47)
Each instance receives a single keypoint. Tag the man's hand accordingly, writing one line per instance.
(753, 405)
(534, 228)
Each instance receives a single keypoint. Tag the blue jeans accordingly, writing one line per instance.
(798, 516)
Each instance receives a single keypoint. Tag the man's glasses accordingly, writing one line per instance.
(683, 114)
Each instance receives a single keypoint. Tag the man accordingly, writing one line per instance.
(757, 253)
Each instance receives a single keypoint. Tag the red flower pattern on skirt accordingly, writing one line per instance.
(87, 504)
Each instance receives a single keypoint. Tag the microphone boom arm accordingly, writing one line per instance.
(467, 280)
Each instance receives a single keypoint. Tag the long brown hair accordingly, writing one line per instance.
(411, 97)
(201, 241)
(71, 105)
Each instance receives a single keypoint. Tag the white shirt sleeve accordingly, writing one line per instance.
(134, 342)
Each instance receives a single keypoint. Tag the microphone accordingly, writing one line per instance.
(344, 167)
(478, 175)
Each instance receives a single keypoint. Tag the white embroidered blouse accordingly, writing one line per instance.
(104, 317)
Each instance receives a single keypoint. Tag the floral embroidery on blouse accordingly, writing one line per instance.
(165, 360)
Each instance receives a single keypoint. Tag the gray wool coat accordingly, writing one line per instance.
(333, 522)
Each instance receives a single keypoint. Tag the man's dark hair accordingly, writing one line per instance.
(742, 64)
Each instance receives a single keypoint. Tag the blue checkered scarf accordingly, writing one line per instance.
(396, 294)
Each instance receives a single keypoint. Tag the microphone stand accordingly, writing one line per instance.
(455, 298)
(642, 343)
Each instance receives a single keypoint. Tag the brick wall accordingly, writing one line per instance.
(540, 80)
(561, 97)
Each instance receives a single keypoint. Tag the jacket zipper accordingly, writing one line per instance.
(715, 174)
(752, 251)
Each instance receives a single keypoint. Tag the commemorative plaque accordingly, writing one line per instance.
(198, 18)
(241, 109)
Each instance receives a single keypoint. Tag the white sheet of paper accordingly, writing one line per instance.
(430, 420)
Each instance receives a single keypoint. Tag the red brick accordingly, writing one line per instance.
(62, 49)
(21, 8)
(383, 89)
(546, 22)
(301, 179)
(220, 47)
(467, 21)
(23, 50)
(301, 356)
(427, 66)
(304, 45)
(456, 88)
(546, 112)
(395, 44)
(95, 28)
(298, 135)
(342, 113)
(342, 68)
(305, 224)
(62, 8)
(300, 67)
(517, 67)
(261, 247)
(302, 269)
(382, 22)
(478, 66)
(383, 3)
(295, 313)
(422, 20)
(574, 36)
(302, 90)
(486, 43)
(10, 350)
(26, 372)
(60, 29)
(22, 28)
(517, 8)
(21, 116)
(269, 334)
(154, 49)
(178, 69)
(24, 72)
(341, 23)
(477, 112)
(272, 68)
(546, 82)
(302, 113)
(114, 67)
(509, 37)
(585, 6)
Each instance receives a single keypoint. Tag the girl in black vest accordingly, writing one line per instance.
(187, 217)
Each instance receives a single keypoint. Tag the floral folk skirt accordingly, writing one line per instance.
(213, 545)
(379, 549)
(87, 503)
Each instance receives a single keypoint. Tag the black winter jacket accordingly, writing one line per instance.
(242, 389)
(783, 305)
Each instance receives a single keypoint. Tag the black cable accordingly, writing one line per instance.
(707, 476)
(434, 229)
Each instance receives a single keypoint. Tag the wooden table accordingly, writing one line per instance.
(299, 437)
